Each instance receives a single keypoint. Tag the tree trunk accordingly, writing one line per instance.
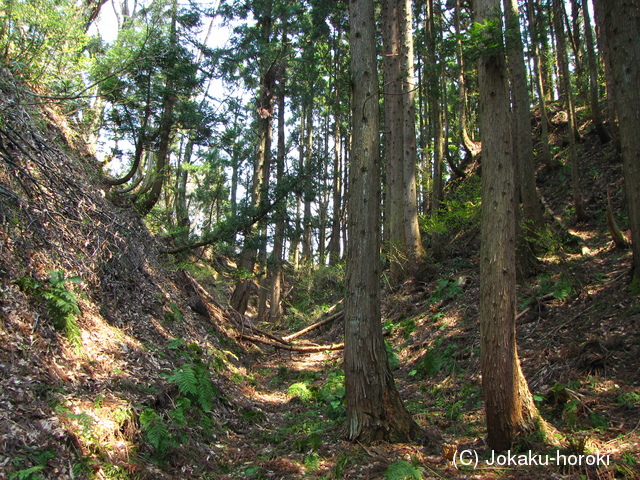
(275, 266)
(558, 15)
(596, 115)
(374, 408)
(603, 47)
(532, 221)
(260, 182)
(412, 237)
(334, 242)
(394, 189)
(620, 21)
(473, 148)
(540, 84)
(436, 121)
(509, 405)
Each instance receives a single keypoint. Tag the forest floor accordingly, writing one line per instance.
(579, 346)
(118, 362)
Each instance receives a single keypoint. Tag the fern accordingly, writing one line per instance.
(206, 390)
(185, 379)
(194, 382)
(156, 431)
(403, 470)
(61, 302)
(27, 474)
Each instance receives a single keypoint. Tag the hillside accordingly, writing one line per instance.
(121, 362)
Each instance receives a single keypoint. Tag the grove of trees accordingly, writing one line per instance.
(302, 136)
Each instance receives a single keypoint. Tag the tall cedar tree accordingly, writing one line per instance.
(621, 23)
(509, 405)
(374, 408)
(260, 182)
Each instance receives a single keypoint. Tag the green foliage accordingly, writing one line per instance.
(392, 356)
(485, 39)
(403, 470)
(62, 303)
(460, 211)
(27, 473)
(598, 421)
(341, 463)
(333, 390)
(446, 288)
(194, 381)
(406, 327)
(40, 458)
(321, 287)
(43, 41)
(311, 442)
(629, 399)
(175, 314)
(155, 431)
(301, 390)
(561, 287)
(436, 359)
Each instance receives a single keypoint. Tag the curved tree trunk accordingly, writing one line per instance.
(473, 148)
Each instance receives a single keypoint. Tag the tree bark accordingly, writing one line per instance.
(394, 190)
(374, 408)
(473, 148)
(275, 266)
(413, 240)
(260, 182)
(436, 121)
(509, 405)
(603, 47)
(596, 115)
(621, 20)
(540, 86)
(558, 15)
(531, 221)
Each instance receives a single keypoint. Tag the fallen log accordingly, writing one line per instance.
(293, 348)
(333, 317)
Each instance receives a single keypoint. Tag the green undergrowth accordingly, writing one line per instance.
(459, 211)
(57, 293)
(325, 392)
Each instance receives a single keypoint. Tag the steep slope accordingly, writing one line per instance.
(106, 357)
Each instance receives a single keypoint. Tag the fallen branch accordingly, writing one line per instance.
(293, 348)
(201, 290)
(548, 296)
(333, 317)
(245, 323)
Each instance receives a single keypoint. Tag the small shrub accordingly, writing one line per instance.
(629, 399)
(301, 390)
